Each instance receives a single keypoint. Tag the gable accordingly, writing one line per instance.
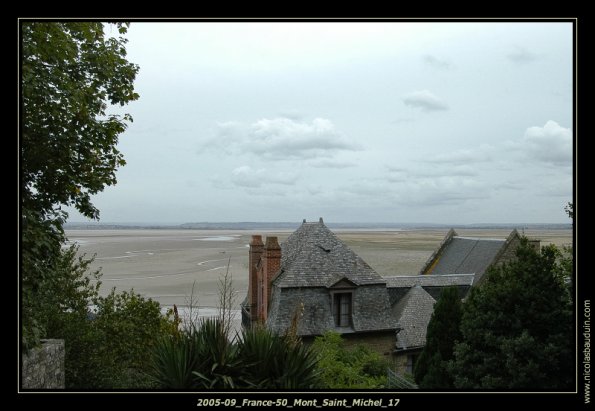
(343, 283)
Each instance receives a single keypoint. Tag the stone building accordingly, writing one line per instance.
(315, 276)
(458, 261)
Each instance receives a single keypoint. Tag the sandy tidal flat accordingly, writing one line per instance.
(164, 264)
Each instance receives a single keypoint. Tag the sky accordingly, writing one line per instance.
(449, 123)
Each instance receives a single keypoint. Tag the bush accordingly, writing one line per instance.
(340, 367)
(109, 348)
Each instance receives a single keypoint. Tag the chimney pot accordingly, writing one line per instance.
(272, 244)
(256, 240)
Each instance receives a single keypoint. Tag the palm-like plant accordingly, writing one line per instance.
(218, 365)
(174, 360)
(204, 357)
(274, 361)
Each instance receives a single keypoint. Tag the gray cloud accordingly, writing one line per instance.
(462, 170)
(329, 163)
(550, 144)
(557, 187)
(425, 100)
(397, 175)
(436, 62)
(432, 191)
(479, 154)
(246, 176)
(509, 185)
(441, 183)
(357, 79)
(420, 191)
(522, 56)
(396, 168)
(282, 138)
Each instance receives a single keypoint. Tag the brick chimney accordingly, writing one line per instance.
(271, 262)
(256, 249)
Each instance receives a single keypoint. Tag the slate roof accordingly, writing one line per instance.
(461, 255)
(315, 263)
(444, 280)
(467, 255)
(413, 313)
(313, 256)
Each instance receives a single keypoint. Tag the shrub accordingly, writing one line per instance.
(339, 367)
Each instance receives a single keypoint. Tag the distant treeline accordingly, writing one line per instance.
(295, 225)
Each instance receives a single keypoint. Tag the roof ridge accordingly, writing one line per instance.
(462, 237)
(427, 275)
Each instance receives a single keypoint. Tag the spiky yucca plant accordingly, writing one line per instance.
(174, 360)
(274, 361)
(203, 357)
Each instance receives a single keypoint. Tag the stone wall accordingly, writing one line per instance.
(43, 367)
(400, 363)
(404, 362)
(381, 342)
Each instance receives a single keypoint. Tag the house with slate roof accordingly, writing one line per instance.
(318, 274)
(317, 277)
(458, 261)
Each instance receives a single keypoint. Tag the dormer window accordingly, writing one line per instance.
(342, 302)
(342, 309)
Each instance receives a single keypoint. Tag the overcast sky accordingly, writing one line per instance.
(355, 122)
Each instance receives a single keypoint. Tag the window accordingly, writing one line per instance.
(342, 309)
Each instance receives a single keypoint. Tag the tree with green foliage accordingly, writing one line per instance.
(71, 74)
(570, 211)
(566, 259)
(107, 348)
(341, 367)
(517, 327)
(431, 369)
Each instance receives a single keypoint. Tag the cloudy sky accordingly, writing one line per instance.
(356, 122)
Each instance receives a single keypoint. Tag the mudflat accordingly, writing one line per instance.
(165, 264)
